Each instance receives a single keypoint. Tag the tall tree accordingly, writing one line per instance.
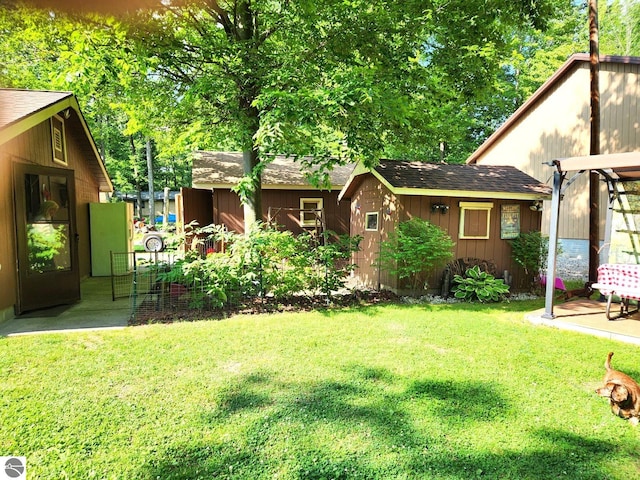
(336, 80)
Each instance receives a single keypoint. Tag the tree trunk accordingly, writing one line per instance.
(594, 177)
(136, 176)
(252, 204)
(152, 205)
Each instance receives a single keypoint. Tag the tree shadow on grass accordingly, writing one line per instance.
(298, 430)
(559, 454)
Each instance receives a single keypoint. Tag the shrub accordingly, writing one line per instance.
(478, 285)
(263, 262)
(530, 251)
(332, 261)
(414, 250)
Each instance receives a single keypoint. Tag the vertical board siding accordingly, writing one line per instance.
(372, 196)
(229, 212)
(557, 126)
(35, 147)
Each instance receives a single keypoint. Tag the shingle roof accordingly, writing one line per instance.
(18, 104)
(481, 181)
(224, 170)
(477, 178)
(21, 110)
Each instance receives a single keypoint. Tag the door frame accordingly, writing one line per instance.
(36, 290)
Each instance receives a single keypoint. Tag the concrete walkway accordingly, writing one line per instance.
(95, 310)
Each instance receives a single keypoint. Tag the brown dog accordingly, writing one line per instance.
(623, 393)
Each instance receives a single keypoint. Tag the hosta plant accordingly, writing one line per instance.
(478, 285)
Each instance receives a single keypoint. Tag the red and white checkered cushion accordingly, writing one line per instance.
(620, 279)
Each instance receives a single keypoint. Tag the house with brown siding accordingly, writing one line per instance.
(555, 123)
(288, 198)
(480, 207)
(50, 171)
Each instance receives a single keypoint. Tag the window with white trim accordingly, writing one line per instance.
(310, 211)
(371, 221)
(475, 220)
(58, 140)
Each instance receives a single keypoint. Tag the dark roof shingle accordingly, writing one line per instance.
(18, 104)
(473, 178)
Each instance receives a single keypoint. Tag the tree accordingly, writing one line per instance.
(91, 56)
(324, 81)
(335, 80)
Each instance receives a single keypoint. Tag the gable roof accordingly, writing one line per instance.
(573, 63)
(21, 110)
(225, 170)
(430, 179)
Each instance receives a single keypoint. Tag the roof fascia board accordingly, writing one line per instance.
(36, 118)
(92, 142)
(25, 124)
(471, 194)
(358, 170)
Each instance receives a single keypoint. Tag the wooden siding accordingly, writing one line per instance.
(35, 147)
(557, 126)
(87, 191)
(228, 210)
(7, 245)
(372, 196)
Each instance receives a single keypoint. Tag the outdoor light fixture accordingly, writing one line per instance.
(439, 206)
(536, 206)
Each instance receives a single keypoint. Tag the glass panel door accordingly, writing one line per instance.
(48, 272)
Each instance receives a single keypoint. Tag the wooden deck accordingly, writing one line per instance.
(588, 316)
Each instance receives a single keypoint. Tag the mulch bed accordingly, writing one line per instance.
(147, 313)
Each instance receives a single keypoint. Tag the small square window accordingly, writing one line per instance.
(310, 211)
(475, 220)
(371, 221)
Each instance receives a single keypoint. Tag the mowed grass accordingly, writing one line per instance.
(408, 391)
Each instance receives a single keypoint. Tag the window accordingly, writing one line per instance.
(475, 220)
(371, 221)
(58, 140)
(311, 211)
(48, 223)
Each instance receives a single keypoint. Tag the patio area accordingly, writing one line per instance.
(95, 311)
(588, 316)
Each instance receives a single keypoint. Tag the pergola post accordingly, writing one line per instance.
(558, 177)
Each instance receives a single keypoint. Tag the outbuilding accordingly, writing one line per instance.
(50, 170)
(480, 207)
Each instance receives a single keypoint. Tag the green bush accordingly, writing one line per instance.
(414, 250)
(263, 262)
(478, 285)
(530, 251)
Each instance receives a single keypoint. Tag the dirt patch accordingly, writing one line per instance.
(148, 313)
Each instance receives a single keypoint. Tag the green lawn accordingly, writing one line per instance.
(413, 391)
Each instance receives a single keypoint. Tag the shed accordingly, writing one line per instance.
(555, 123)
(288, 198)
(480, 207)
(50, 170)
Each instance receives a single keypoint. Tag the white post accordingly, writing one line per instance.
(553, 244)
